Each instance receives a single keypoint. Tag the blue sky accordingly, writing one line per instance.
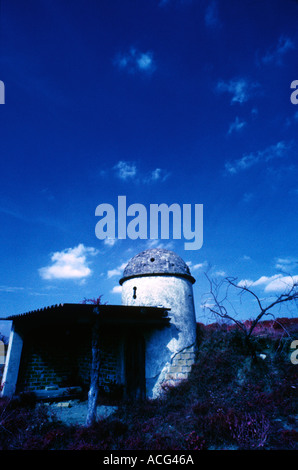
(163, 101)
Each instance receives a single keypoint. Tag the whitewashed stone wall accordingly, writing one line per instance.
(170, 352)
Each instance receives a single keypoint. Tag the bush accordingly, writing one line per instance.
(228, 401)
(289, 439)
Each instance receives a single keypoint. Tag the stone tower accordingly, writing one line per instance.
(160, 278)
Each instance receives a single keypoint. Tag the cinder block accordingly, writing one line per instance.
(175, 369)
(168, 377)
(182, 362)
(181, 376)
(190, 362)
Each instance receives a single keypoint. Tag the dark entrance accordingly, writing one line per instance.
(135, 383)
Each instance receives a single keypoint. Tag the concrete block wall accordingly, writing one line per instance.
(67, 362)
(180, 366)
(110, 368)
(44, 366)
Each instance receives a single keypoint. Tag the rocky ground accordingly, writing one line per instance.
(74, 412)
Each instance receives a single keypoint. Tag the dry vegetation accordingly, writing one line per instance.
(229, 402)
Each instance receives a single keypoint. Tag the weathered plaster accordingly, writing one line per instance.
(162, 346)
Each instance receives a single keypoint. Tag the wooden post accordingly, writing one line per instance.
(95, 367)
(12, 364)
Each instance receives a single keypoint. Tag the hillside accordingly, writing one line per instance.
(229, 401)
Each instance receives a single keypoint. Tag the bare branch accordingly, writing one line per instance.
(220, 309)
(246, 289)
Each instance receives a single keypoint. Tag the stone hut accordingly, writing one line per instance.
(159, 277)
(148, 340)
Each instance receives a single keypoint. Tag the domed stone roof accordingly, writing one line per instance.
(156, 261)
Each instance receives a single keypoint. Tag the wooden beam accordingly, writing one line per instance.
(94, 379)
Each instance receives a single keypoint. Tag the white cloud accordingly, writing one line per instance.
(236, 126)
(69, 264)
(245, 283)
(220, 273)
(195, 267)
(286, 265)
(116, 290)
(276, 54)
(281, 284)
(156, 175)
(155, 243)
(276, 283)
(145, 61)
(135, 61)
(246, 161)
(116, 271)
(263, 280)
(125, 170)
(240, 89)
(110, 241)
(242, 163)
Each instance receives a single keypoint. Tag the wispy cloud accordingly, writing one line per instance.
(110, 241)
(275, 54)
(220, 273)
(116, 271)
(292, 119)
(11, 289)
(211, 15)
(241, 89)
(286, 265)
(14, 213)
(128, 171)
(294, 191)
(156, 175)
(134, 61)
(70, 263)
(125, 170)
(155, 243)
(247, 197)
(248, 160)
(163, 3)
(47, 194)
(236, 126)
(197, 266)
